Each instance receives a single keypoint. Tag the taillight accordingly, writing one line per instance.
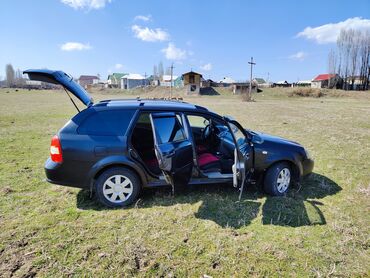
(56, 150)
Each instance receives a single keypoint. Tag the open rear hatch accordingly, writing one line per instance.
(61, 78)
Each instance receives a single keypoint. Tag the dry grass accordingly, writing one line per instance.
(320, 229)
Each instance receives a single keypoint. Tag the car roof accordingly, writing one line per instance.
(150, 104)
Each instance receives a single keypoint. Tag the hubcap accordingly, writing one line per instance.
(117, 188)
(283, 180)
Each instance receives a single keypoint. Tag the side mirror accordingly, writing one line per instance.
(256, 139)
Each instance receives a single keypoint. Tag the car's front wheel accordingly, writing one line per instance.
(117, 187)
(278, 179)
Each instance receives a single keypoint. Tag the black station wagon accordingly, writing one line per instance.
(115, 148)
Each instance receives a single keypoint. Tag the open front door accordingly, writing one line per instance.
(243, 162)
(172, 148)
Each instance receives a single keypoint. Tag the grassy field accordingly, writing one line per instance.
(320, 229)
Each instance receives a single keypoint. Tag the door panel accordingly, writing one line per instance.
(173, 149)
(243, 163)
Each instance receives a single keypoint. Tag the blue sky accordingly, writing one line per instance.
(216, 38)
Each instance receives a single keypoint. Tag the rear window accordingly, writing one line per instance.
(107, 123)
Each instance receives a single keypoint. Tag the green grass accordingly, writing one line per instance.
(320, 229)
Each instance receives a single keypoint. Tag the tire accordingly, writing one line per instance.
(117, 187)
(278, 179)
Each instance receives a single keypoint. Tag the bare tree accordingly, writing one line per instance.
(19, 80)
(332, 65)
(364, 60)
(9, 75)
(160, 70)
(353, 54)
(155, 72)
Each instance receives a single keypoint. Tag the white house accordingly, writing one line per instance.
(166, 80)
(133, 80)
(227, 80)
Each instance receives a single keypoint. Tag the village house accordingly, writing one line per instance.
(355, 83)
(178, 82)
(326, 81)
(114, 79)
(259, 81)
(282, 83)
(303, 83)
(191, 81)
(86, 80)
(133, 80)
(166, 80)
(243, 87)
(226, 82)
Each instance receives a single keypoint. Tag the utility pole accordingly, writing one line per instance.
(171, 81)
(145, 82)
(250, 80)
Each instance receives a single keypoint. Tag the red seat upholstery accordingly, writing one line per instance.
(208, 161)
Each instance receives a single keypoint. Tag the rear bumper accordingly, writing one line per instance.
(57, 173)
(307, 166)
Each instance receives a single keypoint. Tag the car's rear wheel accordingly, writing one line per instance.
(278, 179)
(117, 187)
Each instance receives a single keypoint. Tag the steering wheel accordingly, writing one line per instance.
(206, 132)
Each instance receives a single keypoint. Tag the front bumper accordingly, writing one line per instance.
(307, 166)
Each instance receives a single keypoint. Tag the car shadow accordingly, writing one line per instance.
(219, 203)
(300, 207)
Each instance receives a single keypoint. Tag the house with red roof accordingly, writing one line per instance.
(326, 80)
(86, 80)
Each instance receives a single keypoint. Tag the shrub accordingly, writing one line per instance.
(306, 92)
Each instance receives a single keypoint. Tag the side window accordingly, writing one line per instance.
(169, 129)
(197, 121)
(107, 123)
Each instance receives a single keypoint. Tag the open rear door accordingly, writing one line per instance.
(172, 148)
(61, 78)
(243, 163)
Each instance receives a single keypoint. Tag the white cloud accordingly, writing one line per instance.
(143, 17)
(300, 56)
(72, 46)
(206, 67)
(150, 35)
(328, 33)
(86, 4)
(118, 66)
(173, 53)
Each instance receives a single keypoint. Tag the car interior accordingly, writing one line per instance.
(212, 142)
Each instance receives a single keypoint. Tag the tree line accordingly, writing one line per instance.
(14, 78)
(158, 71)
(351, 58)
